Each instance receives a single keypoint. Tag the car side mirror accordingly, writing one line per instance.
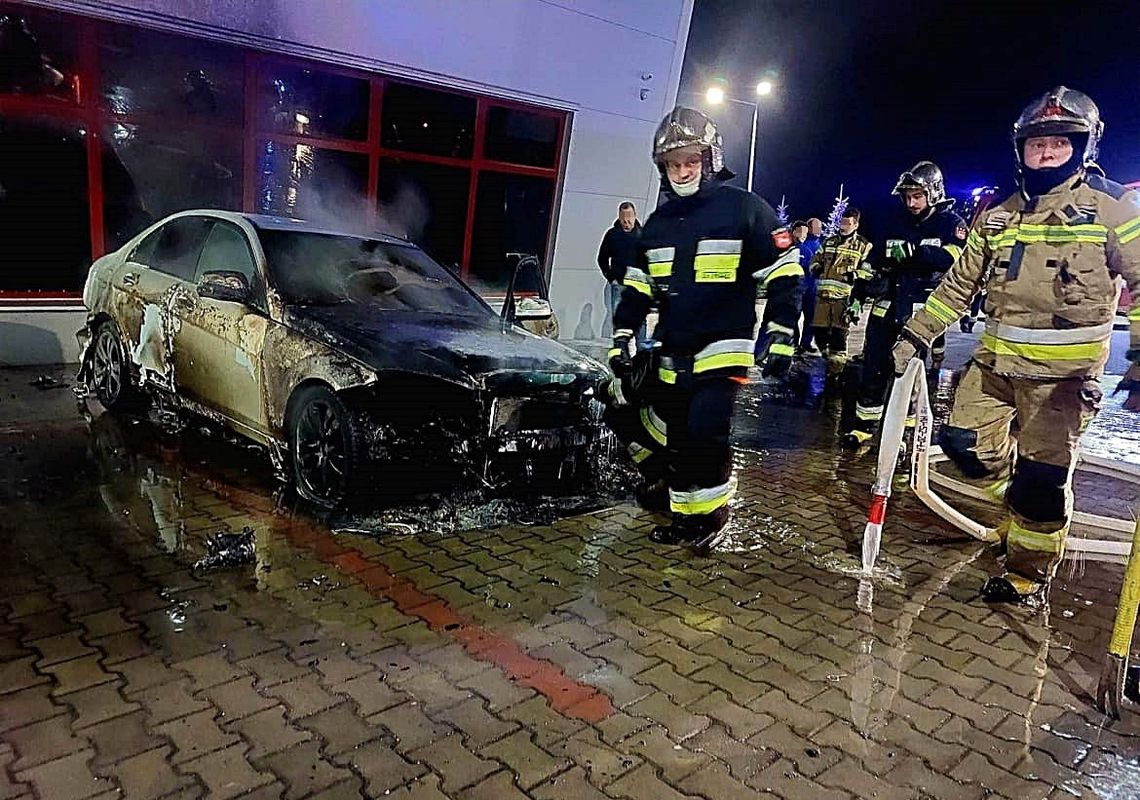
(532, 308)
(224, 285)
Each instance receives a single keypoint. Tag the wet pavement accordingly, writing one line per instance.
(541, 657)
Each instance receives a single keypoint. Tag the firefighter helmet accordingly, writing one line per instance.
(1060, 111)
(683, 127)
(926, 177)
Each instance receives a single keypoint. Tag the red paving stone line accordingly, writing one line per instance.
(566, 695)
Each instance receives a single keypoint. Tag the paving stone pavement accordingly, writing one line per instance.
(568, 660)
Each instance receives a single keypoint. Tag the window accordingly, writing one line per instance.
(45, 229)
(512, 215)
(426, 204)
(303, 101)
(313, 183)
(522, 137)
(39, 53)
(151, 172)
(179, 244)
(428, 121)
(226, 250)
(323, 269)
(144, 250)
(171, 77)
(186, 122)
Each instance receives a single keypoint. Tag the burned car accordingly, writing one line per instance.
(350, 357)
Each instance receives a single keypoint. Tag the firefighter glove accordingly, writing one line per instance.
(900, 251)
(904, 350)
(620, 361)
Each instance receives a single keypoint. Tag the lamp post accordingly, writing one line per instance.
(715, 95)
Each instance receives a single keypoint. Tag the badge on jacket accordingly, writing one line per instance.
(782, 238)
(960, 232)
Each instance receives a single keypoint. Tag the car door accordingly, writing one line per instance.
(157, 281)
(218, 350)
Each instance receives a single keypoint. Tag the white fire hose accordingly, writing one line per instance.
(1091, 533)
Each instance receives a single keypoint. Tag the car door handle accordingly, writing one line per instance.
(130, 279)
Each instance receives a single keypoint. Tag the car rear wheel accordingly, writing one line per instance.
(110, 372)
(325, 447)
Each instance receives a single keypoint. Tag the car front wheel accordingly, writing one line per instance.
(325, 447)
(110, 373)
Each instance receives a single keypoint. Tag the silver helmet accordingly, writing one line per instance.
(1057, 112)
(926, 177)
(683, 127)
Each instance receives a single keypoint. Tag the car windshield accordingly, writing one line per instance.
(326, 269)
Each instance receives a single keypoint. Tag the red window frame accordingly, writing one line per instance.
(88, 113)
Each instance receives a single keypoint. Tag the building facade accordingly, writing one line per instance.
(476, 128)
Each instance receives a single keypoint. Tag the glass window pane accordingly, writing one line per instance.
(39, 53)
(313, 183)
(512, 215)
(226, 250)
(521, 137)
(144, 71)
(427, 121)
(149, 173)
(427, 204)
(45, 228)
(310, 102)
(179, 245)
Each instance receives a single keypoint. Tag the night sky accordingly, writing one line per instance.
(865, 88)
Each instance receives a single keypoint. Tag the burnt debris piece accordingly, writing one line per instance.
(225, 549)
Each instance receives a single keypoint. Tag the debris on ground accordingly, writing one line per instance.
(227, 550)
(47, 382)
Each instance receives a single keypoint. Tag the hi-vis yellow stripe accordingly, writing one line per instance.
(1034, 540)
(940, 310)
(661, 270)
(722, 360)
(954, 250)
(975, 241)
(1134, 312)
(1043, 352)
(716, 267)
(1128, 231)
(1029, 233)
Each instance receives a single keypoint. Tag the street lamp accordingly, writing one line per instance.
(715, 95)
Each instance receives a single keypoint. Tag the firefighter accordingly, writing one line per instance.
(700, 257)
(836, 266)
(1050, 257)
(921, 246)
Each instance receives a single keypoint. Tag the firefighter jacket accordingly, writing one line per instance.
(1051, 267)
(838, 263)
(701, 259)
(931, 246)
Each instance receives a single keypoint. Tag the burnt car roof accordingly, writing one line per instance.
(266, 222)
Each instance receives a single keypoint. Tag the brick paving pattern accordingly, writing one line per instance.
(570, 660)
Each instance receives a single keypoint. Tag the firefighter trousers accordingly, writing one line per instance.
(830, 328)
(681, 433)
(877, 373)
(1050, 414)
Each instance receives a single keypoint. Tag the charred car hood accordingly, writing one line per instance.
(472, 351)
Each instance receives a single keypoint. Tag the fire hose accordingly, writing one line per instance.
(911, 385)
(1098, 534)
